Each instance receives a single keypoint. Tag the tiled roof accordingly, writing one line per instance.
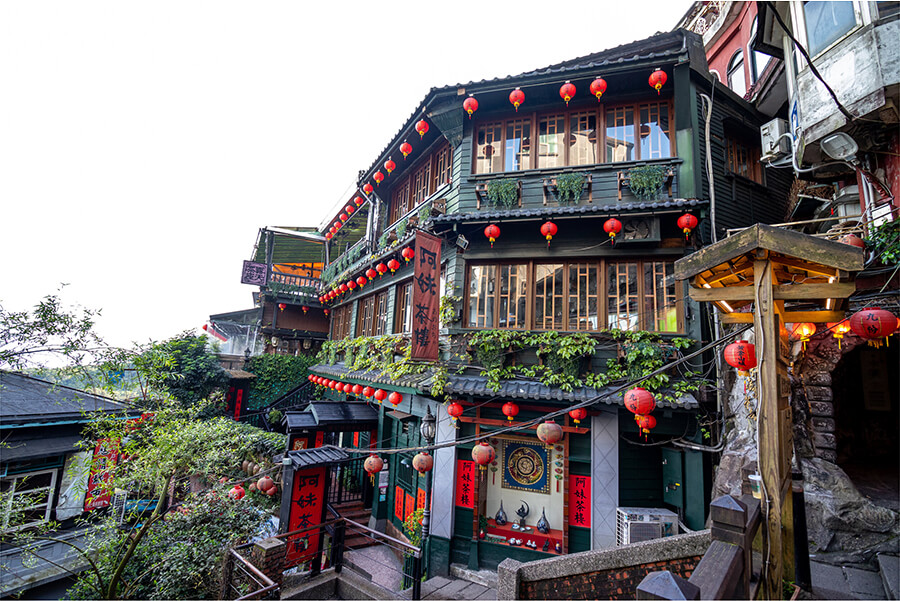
(24, 399)
(591, 209)
(317, 456)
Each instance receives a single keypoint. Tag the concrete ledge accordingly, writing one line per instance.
(328, 585)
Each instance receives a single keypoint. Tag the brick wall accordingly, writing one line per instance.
(617, 583)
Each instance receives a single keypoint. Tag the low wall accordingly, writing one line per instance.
(605, 574)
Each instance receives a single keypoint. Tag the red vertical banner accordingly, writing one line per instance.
(320, 438)
(426, 289)
(580, 501)
(356, 439)
(420, 499)
(466, 472)
(307, 504)
(398, 503)
(410, 505)
(105, 455)
(237, 403)
(373, 439)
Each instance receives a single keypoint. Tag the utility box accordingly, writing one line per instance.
(773, 141)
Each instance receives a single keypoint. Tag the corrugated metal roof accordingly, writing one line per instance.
(317, 456)
(674, 204)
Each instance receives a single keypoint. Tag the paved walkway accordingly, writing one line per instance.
(836, 582)
(446, 588)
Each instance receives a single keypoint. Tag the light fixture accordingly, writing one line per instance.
(840, 146)
(427, 427)
(462, 242)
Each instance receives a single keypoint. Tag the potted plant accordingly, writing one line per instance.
(569, 187)
(646, 180)
(503, 192)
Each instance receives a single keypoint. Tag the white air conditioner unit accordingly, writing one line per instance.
(773, 141)
(118, 505)
(637, 524)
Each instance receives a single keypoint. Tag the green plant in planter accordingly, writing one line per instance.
(569, 187)
(503, 192)
(275, 416)
(646, 180)
(383, 240)
(401, 229)
(884, 242)
(424, 214)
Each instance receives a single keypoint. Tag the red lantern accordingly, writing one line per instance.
(803, 332)
(349, 209)
(371, 274)
(408, 254)
(454, 410)
(332, 384)
(853, 240)
(381, 268)
(639, 401)
(368, 391)
(344, 217)
(326, 312)
(873, 325)
(517, 97)
(305, 309)
(357, 389)
(237, 492)
(839, 329)
(339, 387)
(361, 280)
(367, 188)
(510, 410)
(492, 232)
(380, 395)
(393, 265)
(741, 355)
(612, 226)
(483, 454)
(567, 92)
(422, 128)
(389, 166)
(344, 288)
(378, 177)
(405, 149)
(359, 200)
(373, 465)
(686, 223)
(645, 423)
(328, 236)
(548, 230)
(423, 462)
(578, 414)
(470, 105)
(205, 327)
(282, 306)
(598, 86)
(351, 285)
(549, 433)
(310, 377)
(395, 398)
(658, 80)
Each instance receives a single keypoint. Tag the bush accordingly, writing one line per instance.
(276, 375)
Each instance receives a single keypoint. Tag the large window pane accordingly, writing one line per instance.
(513, 296)
(551, 149)
(488, 149)
(736, 80)
(622, 290)
(481, 296)
(404, 309)
(583, 140)
(584, 299)
(381, 316)
(421, 181)
(619, 134)
(548, 297)
(827, 22)
(655, 142)
(518, 145)
(660, 307)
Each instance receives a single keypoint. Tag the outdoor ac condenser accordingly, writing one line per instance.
(636, 524)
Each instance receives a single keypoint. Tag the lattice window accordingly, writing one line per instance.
(584, 296)
(28, 497)
(743, 160)
(655, 143)
(583, 139)
(623, 296)
(421, 181)
(518, 145)
(381, 313)
(551, 141)
(443, 165)
(365, 315)
(489, 149)
(404, 309)
(513, 296)
(400, 200)
(660, 308)
(481, 295)
(620, 134)
(548, 297)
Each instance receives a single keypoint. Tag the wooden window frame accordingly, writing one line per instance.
(12, 493)
(439, 158)
(372, 314)
(751, 153)
(403, 307)
(340, 323)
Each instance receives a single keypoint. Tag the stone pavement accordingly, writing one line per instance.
(445, 588)
(836, 582)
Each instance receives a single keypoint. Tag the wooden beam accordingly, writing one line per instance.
(789, 317)
(483, 421)
(734, 270)
(781, 292)
(805, 266)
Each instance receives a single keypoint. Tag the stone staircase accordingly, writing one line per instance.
(357, 512)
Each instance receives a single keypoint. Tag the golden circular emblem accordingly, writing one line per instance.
(525, 466)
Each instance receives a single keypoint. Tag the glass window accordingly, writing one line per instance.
(622, 281)
(548, 297)
(760, 59)
(513, 296)
(827, 22)
(620, 134)
(381, 313)
(736, 80)
(421, 181)
(28, 497)
(583, 139)
(365, 313)
(550, 143)
(655, 143)
(404, 309)
(481, 296)
(488, 149)
(442, 168)
(518, 145)
(660, 306)
(400, 201)
(340, 322)
(584, 301)
(743, 160)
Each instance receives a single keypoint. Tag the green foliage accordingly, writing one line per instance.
(424, 214)
(276, 375)
(503, 192)
(401, 229)
(183, 368)
(884, 242)
(447, 309)
(388, 354)
(412, 526)
(383, 240)
(646, 180)
(569, 186)
(274, 416)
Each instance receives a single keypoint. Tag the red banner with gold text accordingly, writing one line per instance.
(426, 290)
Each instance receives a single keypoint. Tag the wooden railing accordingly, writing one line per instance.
(727, 570)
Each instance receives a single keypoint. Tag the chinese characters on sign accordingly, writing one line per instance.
(580, 501)
(426, 289)
(253, 273)
(398, 503)
(307, 502)
(420, 498)
(105, 455)
(465, 483)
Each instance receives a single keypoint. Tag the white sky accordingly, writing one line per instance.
(142, 144)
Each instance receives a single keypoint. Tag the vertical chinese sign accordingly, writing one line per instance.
(580, 501)
(426, 289)
(105, 455)
(465, 483)
(307, 508)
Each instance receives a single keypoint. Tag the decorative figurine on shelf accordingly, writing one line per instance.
(500, 518)
(522, 512)
(558, 548)
(543, 526)
(546, 545)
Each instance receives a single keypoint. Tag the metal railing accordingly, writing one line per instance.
(243, 580)
(292, 398)
(349, 482)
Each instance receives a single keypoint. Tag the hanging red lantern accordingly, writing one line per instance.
(578, 414)
(326, 312)
(612, 226)
(741, 355)
(332, 384)
(328, 236)
(381, 268)
(598, 86)
(510, 410)
(282, 306)
(310, 377)
(548, 230)
(839, 329)
(349, 209)
(470, 105)
(686, 223)
(373, 464)
(395, 398)
(361, 280)
(359, 200)
(567, 92)
(645, 423)
(343, 288)
(853, 240)
(205, 327)
(405, 149)
(517, 97)
(368, 391)
(549, 433)
(380, 395)
(237, 492)
(454, 410)
(873, 325)
(423, 462)
(378, 177)
(483, 454)
(422, 128)
(408, 254)
(389, 165)
(658, 80)
(639, 401)
(367, 188)
(339, 387)
(344, 217)
(371, 274)
(803, 332)
(351, 285)
(357, 389)
(393, 265)
(492, 232)
(305, 309)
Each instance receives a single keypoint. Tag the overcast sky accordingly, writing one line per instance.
(142, 144)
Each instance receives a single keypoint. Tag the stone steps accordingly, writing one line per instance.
(889, 567)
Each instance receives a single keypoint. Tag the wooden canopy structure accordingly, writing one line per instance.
(782, 277)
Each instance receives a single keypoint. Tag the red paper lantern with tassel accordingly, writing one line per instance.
(357, 389)
(368, 391)
(454, 410)
(598, 86)
(483, 454)
(578, 414)
(422, 128)
(405, 149)
(393, 265)
(380, 395)
(639, 401)
(371, 274)
(349, 209)
(548, 230)
(367, 188)
(470, 105)
(873, 325)
(510, 410)
(612, 226)
(378, 177)
(686, 223)
(395, 398)
(567, 92)
(549, 433)
(389, 165)
(351, 285)
(408, 254)
(658, 80)
(282, 306)
(381, 268)
(423, 462)
(517, 97)
(373, 464)
(492, 232)
(359, 200)
(645, 423)
(741, 355)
